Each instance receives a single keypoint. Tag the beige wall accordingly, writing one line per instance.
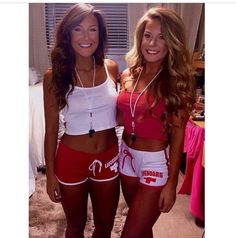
(190, 13)
(38, 55)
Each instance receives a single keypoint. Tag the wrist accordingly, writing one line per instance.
(173, 182)
(50, 174)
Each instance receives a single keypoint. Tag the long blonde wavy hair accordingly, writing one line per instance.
(176, 82)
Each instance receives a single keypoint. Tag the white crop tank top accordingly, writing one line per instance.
(91, 108)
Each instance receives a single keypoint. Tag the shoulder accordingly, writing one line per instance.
(47, 80)
(126, 73)
(180, 118)
(126, 79)
(112, 65)
(48, 74)
(113, 68)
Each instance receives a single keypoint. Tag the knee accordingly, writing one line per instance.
(131, 234)
(72, 231)
(104, 225)
(103, 228)
(138, 232)
(104, 220)
(75, 229)
(99, 232)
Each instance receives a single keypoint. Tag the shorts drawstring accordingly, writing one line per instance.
(127, 154)
(92, 166)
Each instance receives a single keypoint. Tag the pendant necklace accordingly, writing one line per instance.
(132, 109)
(91, 130)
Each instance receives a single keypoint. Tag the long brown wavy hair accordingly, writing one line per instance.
(63, 56)
(176, 82)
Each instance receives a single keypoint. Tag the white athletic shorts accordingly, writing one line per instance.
(150, 167)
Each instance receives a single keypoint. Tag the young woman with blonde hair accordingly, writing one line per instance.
(156, 99)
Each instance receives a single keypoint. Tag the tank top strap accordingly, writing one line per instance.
(108, 76)
(106, 69)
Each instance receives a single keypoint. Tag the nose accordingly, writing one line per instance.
(86, 35)
(153, 41)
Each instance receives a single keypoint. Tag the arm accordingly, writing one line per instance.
(51, 134)
(168, 194)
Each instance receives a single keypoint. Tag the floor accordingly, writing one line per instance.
(178, 223)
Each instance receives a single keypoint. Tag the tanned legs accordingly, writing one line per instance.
(143, 208)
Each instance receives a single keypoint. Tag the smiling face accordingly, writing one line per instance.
(153, 46)
(85, 36)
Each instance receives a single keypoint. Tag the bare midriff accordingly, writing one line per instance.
(99, 142)
(144, 144)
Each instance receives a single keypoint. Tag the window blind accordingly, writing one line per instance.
(116, 17)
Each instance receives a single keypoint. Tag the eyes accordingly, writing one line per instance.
(149, 36)
(80, 29)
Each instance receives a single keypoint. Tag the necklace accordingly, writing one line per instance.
(91, 130)
(132, 109)
(94, 74)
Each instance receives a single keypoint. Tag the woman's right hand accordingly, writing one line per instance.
(53, 189)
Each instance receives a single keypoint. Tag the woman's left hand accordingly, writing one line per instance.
(167, 198)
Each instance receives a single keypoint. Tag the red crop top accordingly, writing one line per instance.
(146, 125)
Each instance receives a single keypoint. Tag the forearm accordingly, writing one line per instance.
(50, 147)
(175, 157)
(176, 153)
(168, 194)
(51, 113)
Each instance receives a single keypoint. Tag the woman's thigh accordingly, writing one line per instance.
(129, 187)
(104, 198)
(74, 202)
(143, 212)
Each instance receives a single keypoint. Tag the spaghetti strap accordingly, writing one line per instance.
(110, 78)
(106, 69)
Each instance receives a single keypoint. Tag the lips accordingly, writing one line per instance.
(152, 52)
(85, 45)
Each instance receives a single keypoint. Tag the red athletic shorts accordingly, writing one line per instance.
(74, 167)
